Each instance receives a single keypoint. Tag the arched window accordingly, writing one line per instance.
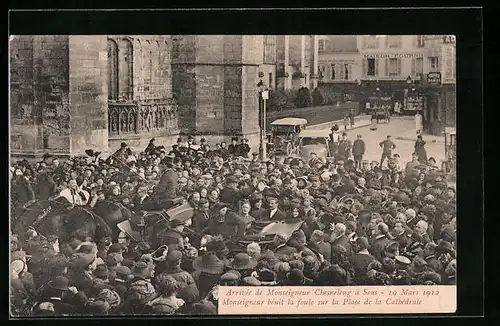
(112, 70)
(125, 69)
(156, 69)
(139, 82)
(146, 66)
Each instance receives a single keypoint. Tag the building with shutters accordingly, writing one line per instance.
(339, 67)
(366, 67)
(393, 57)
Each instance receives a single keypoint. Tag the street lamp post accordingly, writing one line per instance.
(263, 97)
(378, 96)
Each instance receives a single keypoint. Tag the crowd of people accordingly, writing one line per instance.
(362, 223)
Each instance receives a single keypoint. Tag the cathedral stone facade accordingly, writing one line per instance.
(70, 93)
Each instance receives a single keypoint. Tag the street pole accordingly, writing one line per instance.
(264, 95)
(262, 134)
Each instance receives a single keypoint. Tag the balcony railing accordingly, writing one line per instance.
(127, 118)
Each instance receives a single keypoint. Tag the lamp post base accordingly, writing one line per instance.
(262, 151)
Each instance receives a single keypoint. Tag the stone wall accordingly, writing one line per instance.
(25, 131)
(60, 87)
(59, 98)
(315, 115)
(184, 80)
(88, 93)
(51, 61)
(210, 99)
(233, 99)
(39, 96)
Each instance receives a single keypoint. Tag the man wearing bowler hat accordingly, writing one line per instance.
(232, 195)
(233, 147)
(165, 192)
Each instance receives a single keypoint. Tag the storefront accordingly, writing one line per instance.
(439, 108)
(409, 96)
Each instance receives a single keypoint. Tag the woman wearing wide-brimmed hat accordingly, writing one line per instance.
(242, 263)
(208, 268)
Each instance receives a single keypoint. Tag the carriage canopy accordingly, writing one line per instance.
(289, 122)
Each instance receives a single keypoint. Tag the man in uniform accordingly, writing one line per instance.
(387, 147)
(344, 149)
(358, 150)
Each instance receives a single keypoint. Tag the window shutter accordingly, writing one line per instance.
(350, 71)
(413, 66)
(363, 41)
(387, 67)
(365, 67)
(399, 67)
(376, 66)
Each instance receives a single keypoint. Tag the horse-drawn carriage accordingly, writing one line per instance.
(106, 219)
(114, 221)
(381, 109)
(283, 138)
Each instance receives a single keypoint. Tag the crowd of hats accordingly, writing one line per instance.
(409, 237)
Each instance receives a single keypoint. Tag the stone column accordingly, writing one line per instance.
(214, 81)
(253, 50)
(88, 93)
(288, 80)
(26, 131)
(184, 80)
(302, 59)
(315, 61)
(68, 103)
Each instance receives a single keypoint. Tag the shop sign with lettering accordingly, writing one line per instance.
(434, 78)
(393, 55)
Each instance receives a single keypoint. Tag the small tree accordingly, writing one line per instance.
(317, 97)
(277, 100)
(303, 99)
